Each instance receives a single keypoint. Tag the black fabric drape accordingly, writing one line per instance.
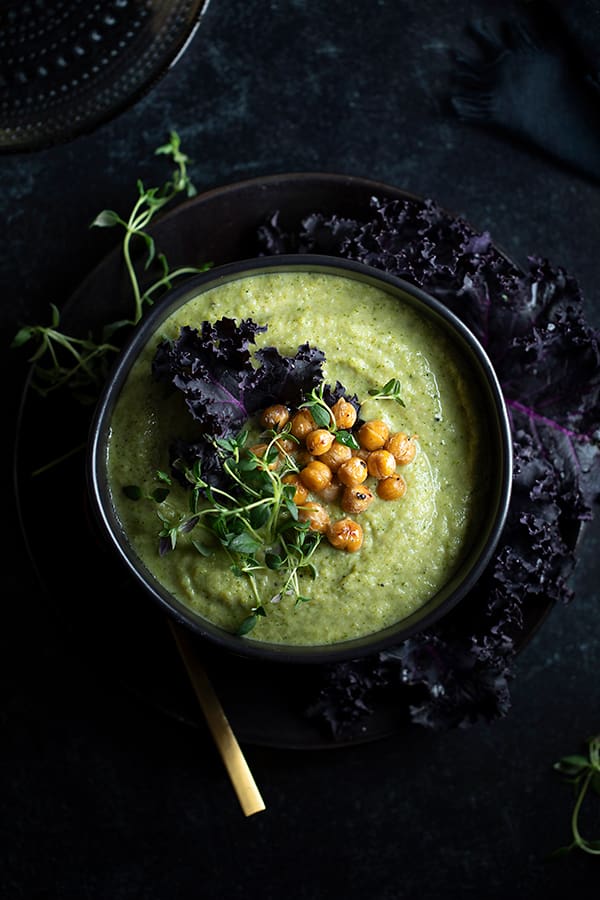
(536, 77)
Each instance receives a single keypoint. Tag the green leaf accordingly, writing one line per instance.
(348, 439)
(243, 543)
(292, 509)
(390, 391)
(22, 336)
(106, 219)
(321, 415)
(260, 515)
(227, 444)
(247, 625)
(312, 570)
(202, 549)
(273, 560)
(150, 247)
(571, 766)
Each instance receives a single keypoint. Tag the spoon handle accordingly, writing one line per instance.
(226, 741)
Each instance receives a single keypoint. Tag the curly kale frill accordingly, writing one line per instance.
(224, 381)
(533, 326)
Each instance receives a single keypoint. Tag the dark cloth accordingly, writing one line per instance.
(536, 77)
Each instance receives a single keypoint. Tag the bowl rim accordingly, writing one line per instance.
(105, 515)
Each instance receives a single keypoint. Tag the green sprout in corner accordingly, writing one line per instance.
(81, 363)
(583, 772)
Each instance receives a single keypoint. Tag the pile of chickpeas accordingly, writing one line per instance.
(335, 472)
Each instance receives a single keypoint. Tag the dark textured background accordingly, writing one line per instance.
(103, 798)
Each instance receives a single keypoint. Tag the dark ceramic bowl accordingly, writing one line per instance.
(498, 429)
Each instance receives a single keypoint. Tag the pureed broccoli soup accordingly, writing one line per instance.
(299, 457)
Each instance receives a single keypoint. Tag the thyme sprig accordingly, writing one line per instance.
(79, 362)
(324, 417)
(150, 201)
(391, 390)
(82, 363)
(583, 772)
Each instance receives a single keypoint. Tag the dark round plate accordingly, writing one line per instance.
(67, 66)
(109, 621)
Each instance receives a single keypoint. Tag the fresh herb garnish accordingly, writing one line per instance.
(82, 363)
(319, 408)
(583, 772)
(390, 391)
(150, 202)
(254, 520)
(319, 404)
(78, 362)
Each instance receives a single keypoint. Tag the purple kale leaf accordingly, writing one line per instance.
(213, 369)
(216, 372)
(224, 383)
(533, 326)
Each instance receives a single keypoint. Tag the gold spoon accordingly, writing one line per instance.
(226, 741)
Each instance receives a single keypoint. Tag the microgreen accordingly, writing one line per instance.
(391, 390)
(253, 518)
(319, 408)
(583, 772)
(82, 363)
(79, 362)
(149, 202)
(322, 413)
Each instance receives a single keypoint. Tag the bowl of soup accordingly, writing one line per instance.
(301, 458)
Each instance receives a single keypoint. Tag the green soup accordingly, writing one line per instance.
(411, 545)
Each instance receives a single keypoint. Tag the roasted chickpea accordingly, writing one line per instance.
(260, 450)
(353, 471)
(303, 457)
(316, 516)
(301, 494)
(302, 424)
(402, 447)
(345, 534)
(336, 455)
(372, 435)
(343, 413)
(319, 441)
(331, 493)
(391, 488)
(357, 498)
(381, 464)
(275, 416)
(316, 475)
(286, 446)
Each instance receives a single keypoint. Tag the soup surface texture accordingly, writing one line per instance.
(411, 545)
